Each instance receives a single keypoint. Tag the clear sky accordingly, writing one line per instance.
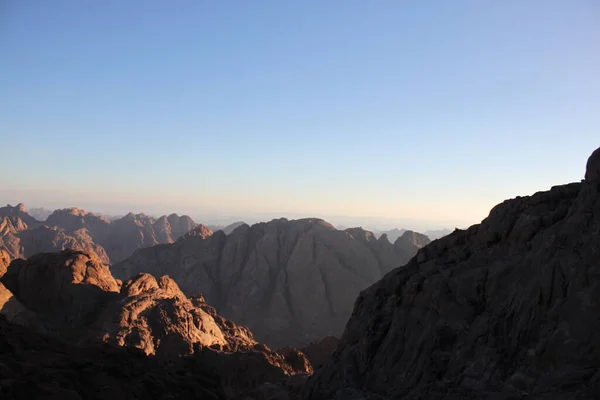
(428, 111)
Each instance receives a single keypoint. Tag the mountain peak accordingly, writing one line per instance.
(592, 168)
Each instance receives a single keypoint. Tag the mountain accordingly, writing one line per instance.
(291, 282)
(437, 233)
(392, 235)
(72, 228)
(416, 239)
(73, 296)
(504, 309)
(40, 214)
(18, 213)
(226, 229)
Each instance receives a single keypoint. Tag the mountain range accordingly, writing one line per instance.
(505, 309)
(291, 282)
(22, 236)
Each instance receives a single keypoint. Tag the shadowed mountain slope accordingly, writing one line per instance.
(505, 309)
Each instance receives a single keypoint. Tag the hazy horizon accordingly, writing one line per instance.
(422, 114)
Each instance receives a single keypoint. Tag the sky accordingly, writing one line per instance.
(422, 113)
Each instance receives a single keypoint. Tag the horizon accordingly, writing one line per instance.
(409, 114)
(340, 222)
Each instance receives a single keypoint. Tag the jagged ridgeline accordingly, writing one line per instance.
(507, 309)
(291, 282)
(22, 236)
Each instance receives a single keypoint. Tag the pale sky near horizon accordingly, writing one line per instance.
(423, 111)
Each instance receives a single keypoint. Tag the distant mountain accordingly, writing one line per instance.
(416, 239)
(40, 214)
(21, 235)
(226, 229)
(437, 234)
(291, 282)
(392, 235)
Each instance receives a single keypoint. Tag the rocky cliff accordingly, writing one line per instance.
(73, 296)
(33, 366)
(505, 309)
(290, 282)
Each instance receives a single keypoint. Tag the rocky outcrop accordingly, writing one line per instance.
(414, 238)
(505, 309)
(72, 295)
(38, 367)
(201, 231)
(290, 282)
(318, 353)
(13, 310)
(4, 262)
(592, 170)
(18, 212)
(66, 289)
(156, 317)
(72, 228)
(45, 239)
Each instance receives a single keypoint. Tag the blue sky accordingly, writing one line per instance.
(429, 111)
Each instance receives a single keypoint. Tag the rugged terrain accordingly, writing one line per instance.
(506, 309)
(71, 295)
(22, 236)
(291, 282)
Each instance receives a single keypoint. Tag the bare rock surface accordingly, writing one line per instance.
(318, 353)
(13, 310)
(290, 282)
(506, 309)
(33, 366)
(417, 239)
(592, 168)
(73, 296)
(4, 262)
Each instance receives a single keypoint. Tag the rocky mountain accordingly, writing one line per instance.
(226, 229)
(392, 234)
(40, 213)
(291, 282)
(34, 366)
(507, 309)
(23, 236)
(72, 295)
(416, 239)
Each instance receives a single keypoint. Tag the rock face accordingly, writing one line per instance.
(416, 239)
(592, 170)
(66, 289)
(290, 282)
(507, 309)
(22, 236)
(4, 262)
(37, 367)
(318, 353)
(72, 295)
(13, 310)
(392, 235)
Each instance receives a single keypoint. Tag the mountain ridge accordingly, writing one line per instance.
(291, 281)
